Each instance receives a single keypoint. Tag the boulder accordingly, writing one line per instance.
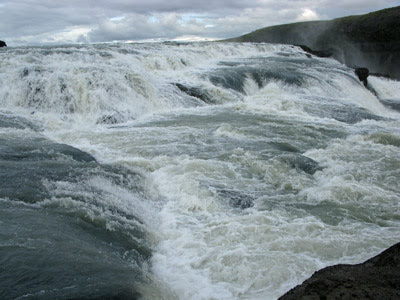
(362, 74)
(3, 44)
(377, 278)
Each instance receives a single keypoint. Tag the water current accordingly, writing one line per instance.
(189, 171)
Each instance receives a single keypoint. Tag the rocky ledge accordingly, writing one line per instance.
(378, 278)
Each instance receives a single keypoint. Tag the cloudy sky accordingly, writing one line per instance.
(29, 22)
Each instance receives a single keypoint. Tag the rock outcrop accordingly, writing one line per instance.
(320, 53)
(377, 278)
(362, 74)
(195, 92)
(3, 44)
(371, 40)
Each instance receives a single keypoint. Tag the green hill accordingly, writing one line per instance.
(371, 40)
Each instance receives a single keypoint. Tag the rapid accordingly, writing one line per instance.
(189, 171)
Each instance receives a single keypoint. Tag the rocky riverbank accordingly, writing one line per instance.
(377, 278)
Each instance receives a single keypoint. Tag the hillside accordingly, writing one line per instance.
(371, 40)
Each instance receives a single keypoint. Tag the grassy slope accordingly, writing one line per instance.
(371, 40)
(380, 26)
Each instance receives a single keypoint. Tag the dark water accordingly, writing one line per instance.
(75, 245)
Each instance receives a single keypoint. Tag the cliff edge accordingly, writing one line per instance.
(371, 40)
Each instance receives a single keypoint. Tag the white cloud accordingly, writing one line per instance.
(308, 15)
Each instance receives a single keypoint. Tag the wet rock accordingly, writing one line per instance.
(377, 278)
(236, 199)
(362, 74)
(107, 120)
(3, 44)
(320, 53)
(302, 163)
(283, 146)
(195, 92)
(110, 119)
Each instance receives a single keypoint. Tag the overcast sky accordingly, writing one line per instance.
(29, 22)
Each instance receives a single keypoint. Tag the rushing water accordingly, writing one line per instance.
(189, 171)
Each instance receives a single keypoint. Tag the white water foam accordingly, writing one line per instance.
(195, 158)
(126, 83)
(208, 252)
(386, 88)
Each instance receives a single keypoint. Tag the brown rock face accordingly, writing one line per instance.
(377, 278)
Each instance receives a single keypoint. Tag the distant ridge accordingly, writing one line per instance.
(371, 40)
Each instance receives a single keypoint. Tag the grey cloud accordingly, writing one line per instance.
(172, 25)
(25, 21)
(146, 6)
(26, 18)
(137, 27)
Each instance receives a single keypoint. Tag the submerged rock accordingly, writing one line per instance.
(26, 164)
(111, 119)
(377, 278)
(391, 103)
(302, 163)
(3, 44)
(236, 199)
